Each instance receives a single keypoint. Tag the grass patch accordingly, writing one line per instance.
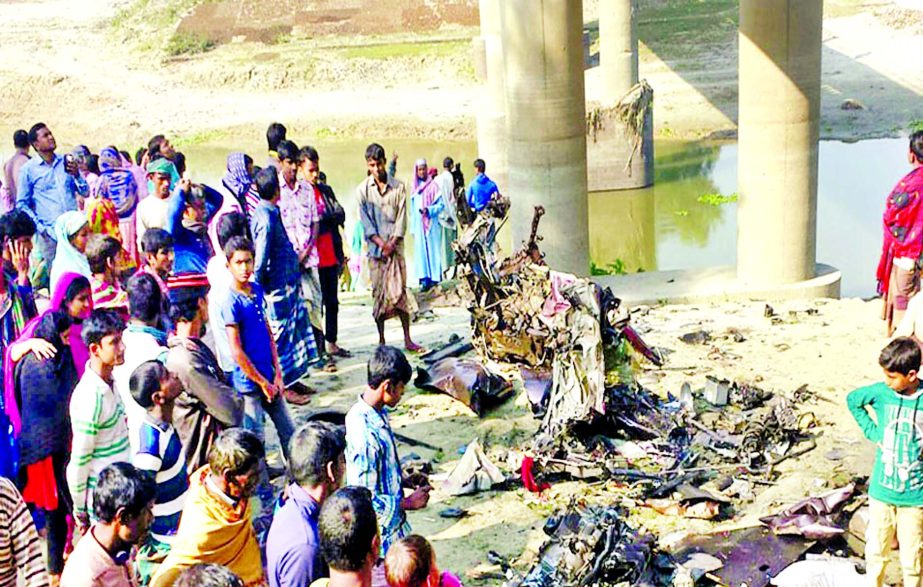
(408, 49)
(915, 125)
(684, 28)
(617, 267)
(185, 43)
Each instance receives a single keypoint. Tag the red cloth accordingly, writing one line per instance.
(41, 487)
(902, 225)
(326, 254)
(528, 479)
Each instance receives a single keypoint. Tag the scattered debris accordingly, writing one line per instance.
(852, 104)
(696, 337)
(827, 572)
(473, 473)
(815, 518)
(453, 513)
(467, 381)
(455, 347)
(716, 391)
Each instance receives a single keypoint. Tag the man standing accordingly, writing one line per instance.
(482, 188)
(11, 170)
(331, 259)
(318, 465)
(275, 134)
(47, 188)
(448, 218)
(898, 270)
(383, 214)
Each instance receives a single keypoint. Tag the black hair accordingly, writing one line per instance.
(179, 161)
(52, 325)
(122, 486)
(447, 163)
(267, 183)
(347, 527)
(155, 240)
(16, 224)
(33, 132)
(144, 298)
(310, 449)
(288, 150)
(153, 145)
(902, 355)
(374, 152)
(74, 288)
(388, 364)
(916, 145)
(480, 165)
(144, 382)
(238, 243)
(208, 575)
(124, 155)
(321, 177)
(93, 164)
(230, 225)
(235, 451)
(100, 324)
(101, 248)
(20, 139)
(275, 134)
(139, 155)
(309, 153)
(184, 303)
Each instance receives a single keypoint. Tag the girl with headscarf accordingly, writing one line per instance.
(237, 181)
(426, 204)
(42, 388)
(118, 185)
(71, 231)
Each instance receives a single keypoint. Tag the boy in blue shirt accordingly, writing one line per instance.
(160, 452)
(896, 483)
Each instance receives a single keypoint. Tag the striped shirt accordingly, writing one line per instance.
(108, 295)
(100, 436)
(160, 451)
(20, 547)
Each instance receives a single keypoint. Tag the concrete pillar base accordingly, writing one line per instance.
(479, 57)
(618, 157)
(715, 284)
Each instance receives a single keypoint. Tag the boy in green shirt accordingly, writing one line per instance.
(896, 484)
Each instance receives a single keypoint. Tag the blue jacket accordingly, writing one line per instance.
(480, 190)
(191, 244)
(276, 264)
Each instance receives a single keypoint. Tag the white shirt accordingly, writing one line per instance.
(219, 284)
(151, 213)
(139, 347)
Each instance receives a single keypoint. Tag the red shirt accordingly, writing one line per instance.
(325, 251)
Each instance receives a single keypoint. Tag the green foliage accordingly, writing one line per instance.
(188, 44)
(716, 199)
(615, 268)
(915, 125)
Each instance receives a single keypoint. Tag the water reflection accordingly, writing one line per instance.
(664, 227)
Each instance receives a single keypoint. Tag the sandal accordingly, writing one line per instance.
(414, 348)
(342, 353)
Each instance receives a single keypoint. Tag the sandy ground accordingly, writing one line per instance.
(70, 68)
(832, 352)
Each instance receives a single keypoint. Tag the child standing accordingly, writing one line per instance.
(161, 452)
(896, 484)
(97, 414)
(102, 253)
(411, 562)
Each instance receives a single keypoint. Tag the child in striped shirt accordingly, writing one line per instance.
(160, 452)
(100, 428)
(102, 253)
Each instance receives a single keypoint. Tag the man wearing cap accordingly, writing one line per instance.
(152, 210)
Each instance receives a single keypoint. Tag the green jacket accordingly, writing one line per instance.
(897, 476)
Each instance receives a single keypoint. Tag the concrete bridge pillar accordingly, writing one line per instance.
(491, 107)
(779, 110)
(620, 153)
(546, 122)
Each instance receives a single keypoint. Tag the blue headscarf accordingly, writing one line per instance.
(237, 180)
(67, 258)
(117, 184)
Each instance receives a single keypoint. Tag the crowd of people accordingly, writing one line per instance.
(134, 449)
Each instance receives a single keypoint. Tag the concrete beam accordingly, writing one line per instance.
(546, 121)
(779, 111)
(491, 116)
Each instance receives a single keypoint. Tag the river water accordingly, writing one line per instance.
(663, 227)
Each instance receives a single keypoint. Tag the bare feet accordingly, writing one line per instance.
(412, 347)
